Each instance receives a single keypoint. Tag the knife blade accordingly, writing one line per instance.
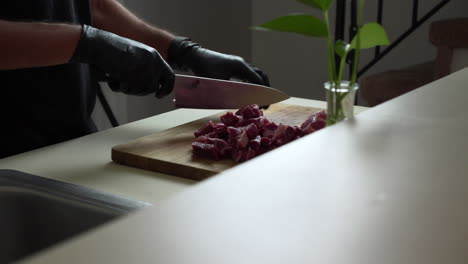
(207, 93)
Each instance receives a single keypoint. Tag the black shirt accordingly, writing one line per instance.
(47, 105)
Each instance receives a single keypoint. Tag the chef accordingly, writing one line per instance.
(53, 52)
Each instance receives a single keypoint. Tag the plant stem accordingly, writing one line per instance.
(356, 58)
(331, 108)
(342, 65)
(330, 50)
(358, 44)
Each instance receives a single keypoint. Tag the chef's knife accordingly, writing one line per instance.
(207, 93)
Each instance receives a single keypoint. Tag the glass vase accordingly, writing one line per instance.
(340, 101)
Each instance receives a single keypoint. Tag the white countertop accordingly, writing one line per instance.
(390, 187)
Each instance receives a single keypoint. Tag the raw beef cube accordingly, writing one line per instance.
(240, 122)
(241, 155)
(236, 155)
(229, 119)
(222, 147)
(317, 116)
(258, 121)
(321, 115)
(289, 133)
(308, 121)
(245, 122)
(313, 126)
(242, 140)
(205, 150)
(269, 130)
(233, 134)
(212, 134)
(202, 139)
(265, 141)
(314, 122)
(299, 133)
(233, 131)
(251, 130)
(255, 143)
(250, 111)
(237, 137)
(221, 130)
(278, 136)
(319, 124)
(309, 129)
(250, 154)
(209, 127)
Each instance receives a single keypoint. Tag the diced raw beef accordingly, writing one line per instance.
(261, 121)
(251, 130)
(230, 119)
(265, 141)
(205, 150)
(308, 122)
(289, 133)
(250, 154)
(299, 133)
(211, 135)
(221, 130)
(255, 143)
(258, 121)
(240, 122)
(222, 147)
(251, 111)
(209, 127)
(236, 155)
(314, 126)
(263, 150)
(321, 115)
(240, 136)
(278, 136)
(247, 134)
(202, 139)
(213, 148)
(269, 130)
(242, 140)
(233, 132)
(241, 155)
(315, 122)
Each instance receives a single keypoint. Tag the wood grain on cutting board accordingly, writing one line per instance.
(170, 151)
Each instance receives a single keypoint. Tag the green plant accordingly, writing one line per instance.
(368, 35)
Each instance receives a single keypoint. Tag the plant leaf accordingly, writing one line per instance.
(342, 48)
(372, 34)
(296, 23)
(323, 5)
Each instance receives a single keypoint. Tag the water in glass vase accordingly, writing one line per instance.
(340, 101)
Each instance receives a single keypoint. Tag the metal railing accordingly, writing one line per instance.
(379, 54)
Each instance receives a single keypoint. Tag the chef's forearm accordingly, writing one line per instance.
(111, 16)
(26, 45)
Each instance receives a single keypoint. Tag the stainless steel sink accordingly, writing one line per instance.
(36, 213)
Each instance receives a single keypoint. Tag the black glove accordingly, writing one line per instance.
(132, 67)
(185, 55)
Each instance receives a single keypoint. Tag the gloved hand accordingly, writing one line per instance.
(185, 55)
(132, 67)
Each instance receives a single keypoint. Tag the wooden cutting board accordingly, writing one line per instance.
(170, 151)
